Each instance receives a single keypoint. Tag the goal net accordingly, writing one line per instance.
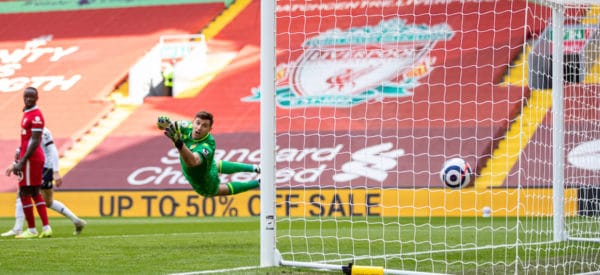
(363, 101)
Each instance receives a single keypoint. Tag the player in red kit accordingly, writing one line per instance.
(29, 166)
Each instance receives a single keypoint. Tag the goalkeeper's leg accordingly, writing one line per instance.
(227, 167)
(236, 187)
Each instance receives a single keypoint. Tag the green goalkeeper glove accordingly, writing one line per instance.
(163, 122)
(174, 133)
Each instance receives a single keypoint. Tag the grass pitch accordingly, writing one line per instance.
(231, 246)
(137, 246)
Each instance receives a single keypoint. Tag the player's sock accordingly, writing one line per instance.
(40, 205)
(19, 216)
(236, 187)
(65, 211)
(227, 167)
(28, 210)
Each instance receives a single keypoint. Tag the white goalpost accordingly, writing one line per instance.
(588, 59)
(268, 249)
(363, 101)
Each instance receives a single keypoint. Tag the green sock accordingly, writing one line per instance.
(236, 187)
(227, 167)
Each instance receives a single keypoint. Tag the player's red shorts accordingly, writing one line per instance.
(32, 173)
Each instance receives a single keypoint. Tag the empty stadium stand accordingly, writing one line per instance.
(135, 156)
(132, 154)
(76, 59)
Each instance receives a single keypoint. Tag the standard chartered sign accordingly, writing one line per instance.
(298, 165)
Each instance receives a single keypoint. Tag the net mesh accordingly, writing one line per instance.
(374, 96)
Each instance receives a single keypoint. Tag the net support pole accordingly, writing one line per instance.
(558, 123)
(267, 134)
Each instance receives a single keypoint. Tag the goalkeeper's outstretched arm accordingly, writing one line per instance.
(163, 122)
(190, 158)
(173, 132)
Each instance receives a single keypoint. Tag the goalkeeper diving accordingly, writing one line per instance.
(196, 147)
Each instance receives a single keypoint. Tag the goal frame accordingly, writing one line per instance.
(558, 128)
(558, 139)
(269, 255)
(268, 250)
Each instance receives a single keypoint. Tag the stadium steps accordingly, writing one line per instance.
(522, 129)
(592, 15)
(520, 132)
(506, 154)
(94, 136)
(219, 60)
(593, 76)
(215, 63)
(89, 140)
(224, 18)
(517, 73)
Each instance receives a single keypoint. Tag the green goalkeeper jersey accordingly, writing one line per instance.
(204, 178)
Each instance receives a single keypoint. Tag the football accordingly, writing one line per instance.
(456, 173)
